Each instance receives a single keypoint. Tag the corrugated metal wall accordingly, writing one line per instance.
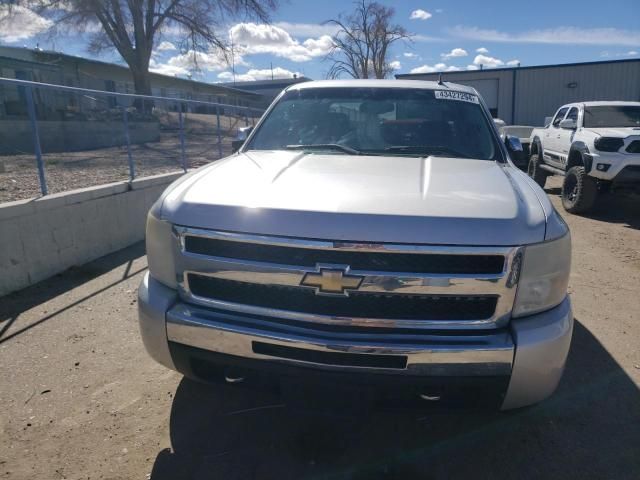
(539, 91)
(504, 79)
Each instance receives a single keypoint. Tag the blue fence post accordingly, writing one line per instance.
(132, 167)
(219, 133)
(31, 109)
(182, 154)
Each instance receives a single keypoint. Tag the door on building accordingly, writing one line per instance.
(488, 89)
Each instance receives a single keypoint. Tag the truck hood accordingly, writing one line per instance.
(621, 132)
(432, 200)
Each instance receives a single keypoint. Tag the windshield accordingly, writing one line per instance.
(612, 116)
(378, 121)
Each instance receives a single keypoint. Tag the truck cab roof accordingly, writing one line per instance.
(371, 83)
(602, 103)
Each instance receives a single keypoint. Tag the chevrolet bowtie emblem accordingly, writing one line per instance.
(331, 281)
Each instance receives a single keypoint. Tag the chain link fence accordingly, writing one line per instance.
(55, 138)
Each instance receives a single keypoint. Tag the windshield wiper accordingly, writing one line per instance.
(426, 150)
(325, 146)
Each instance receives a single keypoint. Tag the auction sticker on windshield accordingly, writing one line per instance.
(453, 95)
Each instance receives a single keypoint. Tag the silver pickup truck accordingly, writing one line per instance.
(368, 235)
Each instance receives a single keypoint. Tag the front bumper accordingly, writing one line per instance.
(525, 361)
(623, 167)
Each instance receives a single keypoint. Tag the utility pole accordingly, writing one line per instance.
(271, 63)
(233, 64)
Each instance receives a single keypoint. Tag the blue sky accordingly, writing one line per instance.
(448, 35)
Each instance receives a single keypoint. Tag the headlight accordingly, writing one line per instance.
(544, 276)
(160, 244)
(608, 144)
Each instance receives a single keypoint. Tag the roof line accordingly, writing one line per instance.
(529, 67)
(124, 67)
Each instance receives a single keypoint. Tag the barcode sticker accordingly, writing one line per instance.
(454, 95)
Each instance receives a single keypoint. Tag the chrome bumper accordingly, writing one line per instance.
(487, 354)
(532, 352)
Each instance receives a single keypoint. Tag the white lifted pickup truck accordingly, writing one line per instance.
(594, 145)
(369, 236)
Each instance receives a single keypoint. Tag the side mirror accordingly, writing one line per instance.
(513, 144)
(243, 134)
(568, 124)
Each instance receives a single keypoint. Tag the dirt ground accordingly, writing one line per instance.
(71, 170)
(80, 398)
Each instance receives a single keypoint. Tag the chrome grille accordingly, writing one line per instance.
(403, 286)
(357, 304)
(441, 263)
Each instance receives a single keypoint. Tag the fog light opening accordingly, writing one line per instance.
(602, 167)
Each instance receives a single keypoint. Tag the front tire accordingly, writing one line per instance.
(579, 191)
(534, 171)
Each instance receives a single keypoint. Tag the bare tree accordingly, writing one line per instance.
(133, 26)
(362, 43)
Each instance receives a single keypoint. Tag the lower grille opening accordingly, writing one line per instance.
(330, 358)
(394, 306)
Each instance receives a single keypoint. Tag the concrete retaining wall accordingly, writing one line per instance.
(44, 236)
(73, 135)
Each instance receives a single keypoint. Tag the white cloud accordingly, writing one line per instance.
(420, 14)
(472, 67)
(307, 29)
(252, 38)
(486, 61)
(410, 55)
(165, 69)
(630, 53)
(438, 67)
(205, 61)
(318, 47)
(258, 74)
(395, 65)
(21, 23)
(456, 52)
(427, 38)
(513, 63)
(482, 50)
(559, 35)
(186, 63)
(423, 69)
(166, 46)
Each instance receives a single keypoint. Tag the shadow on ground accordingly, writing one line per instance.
(619, 208)
(14, 304)
(588, 429)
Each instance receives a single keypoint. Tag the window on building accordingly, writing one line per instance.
(110, 86)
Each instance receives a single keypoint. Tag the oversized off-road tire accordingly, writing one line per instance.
(535, 172)
(579, 191)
